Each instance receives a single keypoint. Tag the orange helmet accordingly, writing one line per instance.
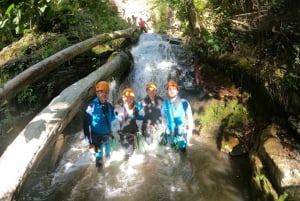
(151, 85)
(102, 86)
(171, 83)
(128, 92)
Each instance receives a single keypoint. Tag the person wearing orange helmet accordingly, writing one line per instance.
(151, 105)
(128, 114)
(98, 117)
(178, 118)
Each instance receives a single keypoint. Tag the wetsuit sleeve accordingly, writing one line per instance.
(87, 127)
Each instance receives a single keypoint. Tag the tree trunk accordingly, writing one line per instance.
(35, 72)
(18, 159)
(193, 23)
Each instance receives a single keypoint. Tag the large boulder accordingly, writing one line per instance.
(276, 163)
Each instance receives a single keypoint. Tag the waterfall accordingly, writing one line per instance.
(158, 60)
(153, 61)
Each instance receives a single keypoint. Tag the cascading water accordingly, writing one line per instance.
(153, 61)
(156, 59)
(154, 172)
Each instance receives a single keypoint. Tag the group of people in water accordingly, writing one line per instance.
(170, 119)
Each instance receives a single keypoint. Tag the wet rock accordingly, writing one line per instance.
(229, 141)
(280, 157)
(238, 150)
(176, 41)
(231, 144)
(261, 187)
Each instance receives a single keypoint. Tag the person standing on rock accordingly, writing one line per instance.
(142, 25)
(170, 18)
(98, 117)
(151, 105)
(128, 114)
(177, 117)
(133, 20)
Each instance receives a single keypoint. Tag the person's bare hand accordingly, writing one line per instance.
(92, 148)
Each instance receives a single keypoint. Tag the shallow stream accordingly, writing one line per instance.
(154, 172)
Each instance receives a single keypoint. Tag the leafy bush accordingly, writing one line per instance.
(27, 96)
(80, 18)
(5, 120)
(217, 112)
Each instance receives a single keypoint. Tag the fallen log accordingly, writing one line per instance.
(19, 157)
(35, 72)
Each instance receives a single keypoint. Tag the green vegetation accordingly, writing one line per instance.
(264, 184)
(228, 113)
(283, 197)
(80, 19)
(33, 48)
(27, 96)
(5, 122)
(263, 38)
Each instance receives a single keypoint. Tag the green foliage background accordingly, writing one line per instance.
(79, 18)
